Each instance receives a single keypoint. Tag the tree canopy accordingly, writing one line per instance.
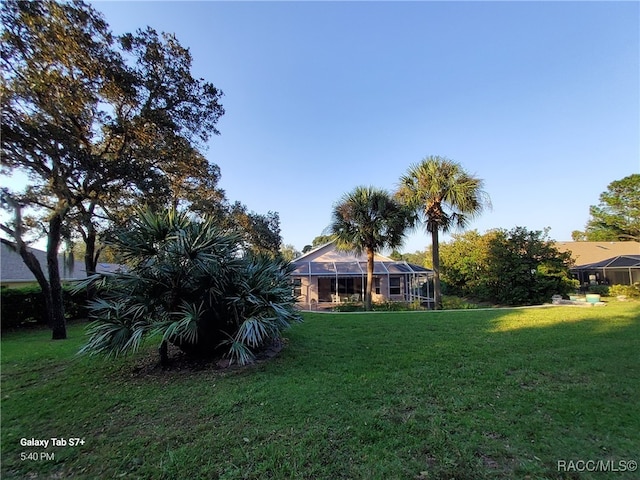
(617, 215)
(465, 263)
(100, 124)
(514, 267)
(445, 196)
(56, 61)
(367, 220)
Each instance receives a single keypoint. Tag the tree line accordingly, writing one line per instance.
(515, 267)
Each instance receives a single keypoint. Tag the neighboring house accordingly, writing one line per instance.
(327, 275)
(14, 272)
(620, 270)
(608, 263)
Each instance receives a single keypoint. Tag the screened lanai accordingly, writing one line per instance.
(620, 270)
(326, 275)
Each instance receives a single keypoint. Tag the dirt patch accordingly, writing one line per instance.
(179, 363)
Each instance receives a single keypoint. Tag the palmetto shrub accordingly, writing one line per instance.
(189, 283)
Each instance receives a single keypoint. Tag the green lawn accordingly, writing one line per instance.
(476, 394)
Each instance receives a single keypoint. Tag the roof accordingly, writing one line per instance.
(621, 261)
(14, 270)
(328, 260)
(584, 253)
(329, 252)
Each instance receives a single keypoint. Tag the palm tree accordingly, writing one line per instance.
(367, 220)
(445, 196)
(188, 280)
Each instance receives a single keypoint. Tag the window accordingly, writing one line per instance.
(394, 286)
(349, 285)
(297, 287)
(376, 285)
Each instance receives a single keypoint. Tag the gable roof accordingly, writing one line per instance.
(328, 260)
(14, 270)
(585, 253)
(622, 261)
(329, 253)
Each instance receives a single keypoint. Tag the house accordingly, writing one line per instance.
(327, 275)
(584, 253)
(620, 270)
(14, 272)
(609, 263)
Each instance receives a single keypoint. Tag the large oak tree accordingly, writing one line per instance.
(98, 124)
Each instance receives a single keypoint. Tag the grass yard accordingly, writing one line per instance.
(477, 394)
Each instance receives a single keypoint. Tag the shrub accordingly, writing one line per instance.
(24, 307)
(386, 306)
(631, 291)
(599, 289)
(75, 303)
(348, 307)
(516, 267)
(189, 282)
(456, 303)
(390, 306)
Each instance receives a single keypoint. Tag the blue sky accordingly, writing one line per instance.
(539, 99)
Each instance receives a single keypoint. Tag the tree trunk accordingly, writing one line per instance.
(369, 290)
(29, 258)
(34, 266)
(435, 250)
(56, 318)
(90, 254)
(163, 351)
(89, 236)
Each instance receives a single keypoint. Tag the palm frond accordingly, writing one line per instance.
(118, 328)
(185, 328)
(186, 278)
(238, 352)
(254, 331)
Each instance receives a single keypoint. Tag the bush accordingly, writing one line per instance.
(390, 306)
(348, 307)
(386, 306)
(516, 267)
(190, 283)
(75, 303)
(22, 307)
(25, 307)
(630, 291)
(456, 303)
(602, 290)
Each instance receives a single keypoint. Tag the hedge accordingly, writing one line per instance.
(631, 291)
(25, 307)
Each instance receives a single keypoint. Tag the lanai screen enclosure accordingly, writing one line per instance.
(326, 275)
(620, 270)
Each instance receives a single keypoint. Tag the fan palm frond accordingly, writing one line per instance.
(185, 328)
(188, 282)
